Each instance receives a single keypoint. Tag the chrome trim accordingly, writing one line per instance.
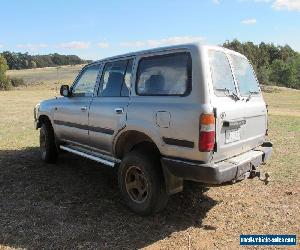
(91, 157)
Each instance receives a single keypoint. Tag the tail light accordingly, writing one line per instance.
(207, 132)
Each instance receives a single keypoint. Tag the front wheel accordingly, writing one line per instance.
(141, 183)
(48, 148)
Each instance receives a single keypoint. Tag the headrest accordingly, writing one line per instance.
(114, 76)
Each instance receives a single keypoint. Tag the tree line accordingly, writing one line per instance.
(12, 60)
(26, 61)
(274, 65)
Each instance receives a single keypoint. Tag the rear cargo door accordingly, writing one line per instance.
(239, 107)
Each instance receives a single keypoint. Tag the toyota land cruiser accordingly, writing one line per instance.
(184, 112)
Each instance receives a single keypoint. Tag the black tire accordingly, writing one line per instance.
(150, 176)
(47, 143)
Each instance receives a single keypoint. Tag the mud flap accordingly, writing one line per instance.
(248, 167)
(173, 183)
(242, 169)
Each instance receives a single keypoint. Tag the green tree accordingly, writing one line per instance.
(32, 64)
(263, 57)
(4, 81)
(263, 75)
(277, 68)
(286, 52)
(297, 66)
(291, 73)
(285, 73)
(234, 45)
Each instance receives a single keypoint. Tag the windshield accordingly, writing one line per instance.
(244, 75)
(221, 73)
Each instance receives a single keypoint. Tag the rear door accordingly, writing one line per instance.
(240, 109)
(108, 109)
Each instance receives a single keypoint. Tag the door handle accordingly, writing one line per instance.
(119, 111)
(84, 108)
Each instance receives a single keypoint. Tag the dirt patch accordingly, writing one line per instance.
(75, 204)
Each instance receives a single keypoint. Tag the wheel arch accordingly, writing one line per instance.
(131, 139)
(43, 119)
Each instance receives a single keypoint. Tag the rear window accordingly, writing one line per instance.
(222, 77)
(164, 75)
(244, 75)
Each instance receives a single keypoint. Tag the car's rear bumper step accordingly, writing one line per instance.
(94, 157)
(221, 172)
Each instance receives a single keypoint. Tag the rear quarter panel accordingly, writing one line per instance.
(145, 112)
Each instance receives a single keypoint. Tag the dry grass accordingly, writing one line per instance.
(75, 203)
(283, 101)
(48, 75)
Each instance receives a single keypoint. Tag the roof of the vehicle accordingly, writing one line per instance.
(170, 48)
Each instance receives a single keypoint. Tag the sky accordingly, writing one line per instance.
(95, 29)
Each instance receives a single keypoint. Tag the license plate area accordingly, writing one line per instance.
(232, 135)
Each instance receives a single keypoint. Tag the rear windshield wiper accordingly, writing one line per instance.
(250, 95)
(230, 93)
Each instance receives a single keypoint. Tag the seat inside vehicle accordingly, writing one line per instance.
(155, 84)
(113, 85)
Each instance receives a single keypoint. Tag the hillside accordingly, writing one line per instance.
(47, 75)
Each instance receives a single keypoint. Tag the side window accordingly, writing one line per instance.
(127, 79)
(165, 75)
(112, 78)
(86, 81)
(221, 73)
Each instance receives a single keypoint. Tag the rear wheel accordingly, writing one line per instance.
(48, 148)
(141, 183)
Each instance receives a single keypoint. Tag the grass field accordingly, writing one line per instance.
(75, 203)
(48, 75)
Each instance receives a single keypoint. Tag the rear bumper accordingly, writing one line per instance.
(224, 171)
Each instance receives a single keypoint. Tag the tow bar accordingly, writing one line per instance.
(264, 178)
(252, 174)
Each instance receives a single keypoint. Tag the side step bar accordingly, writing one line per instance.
(98, 158)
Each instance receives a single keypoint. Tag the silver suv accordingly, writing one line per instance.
(185, 112)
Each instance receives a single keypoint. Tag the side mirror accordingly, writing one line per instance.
(65, 91)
